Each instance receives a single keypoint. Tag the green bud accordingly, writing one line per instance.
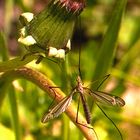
(52, 29)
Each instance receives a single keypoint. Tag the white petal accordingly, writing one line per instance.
(28, 16)
(60, 54)
(27, 41)
(68, 45)
(52, 52)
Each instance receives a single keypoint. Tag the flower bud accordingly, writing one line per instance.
(52, 27)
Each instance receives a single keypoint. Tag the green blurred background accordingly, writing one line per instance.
(90, 28)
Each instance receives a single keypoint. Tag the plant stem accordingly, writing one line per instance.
(65, 83)
(45, 84)
(14, 113)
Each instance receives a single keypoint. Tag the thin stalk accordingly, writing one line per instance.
(3, 46)
(3, 90)
(65, 83)
(14, 113)
(66, 128)
(4, 57)
(9, 9)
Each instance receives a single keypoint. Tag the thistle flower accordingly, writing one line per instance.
(51, 30)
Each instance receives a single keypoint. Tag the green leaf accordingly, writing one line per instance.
(3, 47)
(108, 47)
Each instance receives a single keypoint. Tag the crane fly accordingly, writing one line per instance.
(98, 96)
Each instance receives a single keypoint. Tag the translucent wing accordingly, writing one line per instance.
(107, 99)
(57, 109)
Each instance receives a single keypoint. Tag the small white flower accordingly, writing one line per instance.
(27, 41)
(68, 45)
(60, 54)
(25, 18)
(52, 52)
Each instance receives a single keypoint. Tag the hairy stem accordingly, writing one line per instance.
(46, 84)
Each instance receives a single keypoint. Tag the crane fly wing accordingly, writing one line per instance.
(59, 108)
(107, 99)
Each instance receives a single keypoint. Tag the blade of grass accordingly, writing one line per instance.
(4, 57)
(14, 113)
(65, 83)
(136, 33)
(133, 51)
(8, 15)
(3, 89)
(66, 127)
(3, 47)
(108, 47)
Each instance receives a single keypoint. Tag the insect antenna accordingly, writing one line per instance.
(111, 121)
(53, 97)
(105, 78)
(79, 53)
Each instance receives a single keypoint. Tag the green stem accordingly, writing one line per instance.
(14, 113)
(65, 79)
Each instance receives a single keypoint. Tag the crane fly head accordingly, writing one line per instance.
(79, 80)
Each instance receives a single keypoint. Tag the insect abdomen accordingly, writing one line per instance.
(86, 109)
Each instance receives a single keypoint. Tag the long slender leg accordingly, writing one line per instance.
(105, 78)
(84, 124)
(53, 98)
(111, 121)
